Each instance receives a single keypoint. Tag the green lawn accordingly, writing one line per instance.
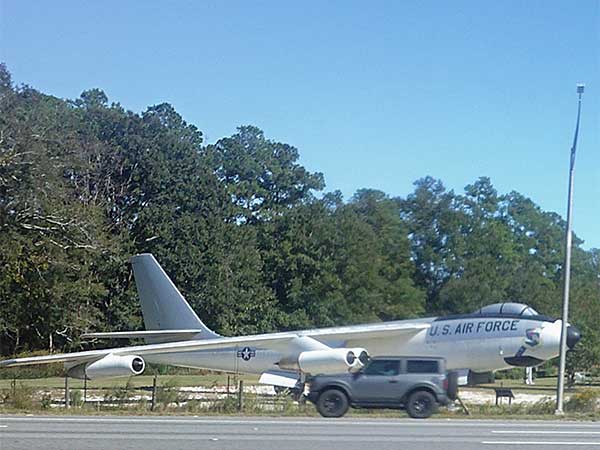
(541, 386)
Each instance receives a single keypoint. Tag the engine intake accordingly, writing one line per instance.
(110, 366)
(335, 360)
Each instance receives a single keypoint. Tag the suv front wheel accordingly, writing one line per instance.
(332, 403)
(421, 405)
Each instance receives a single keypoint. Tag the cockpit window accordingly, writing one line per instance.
(490, 309)
(529, 311)
(508, 308)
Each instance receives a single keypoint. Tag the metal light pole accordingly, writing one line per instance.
(567, 268)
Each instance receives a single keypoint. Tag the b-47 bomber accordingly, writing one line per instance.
(495, 337)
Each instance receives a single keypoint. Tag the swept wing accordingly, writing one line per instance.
(277, 341)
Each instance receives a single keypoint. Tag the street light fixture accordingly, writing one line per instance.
(560, 389)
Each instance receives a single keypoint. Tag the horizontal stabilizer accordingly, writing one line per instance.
(151, 335)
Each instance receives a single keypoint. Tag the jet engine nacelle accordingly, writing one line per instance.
(110, 366)
(335, 360)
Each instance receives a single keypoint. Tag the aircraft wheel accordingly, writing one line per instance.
(296, 393)
(281, 389)
(332, 403)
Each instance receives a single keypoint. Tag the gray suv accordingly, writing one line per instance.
(417, 384)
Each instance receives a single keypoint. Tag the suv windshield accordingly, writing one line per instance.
(382, 367)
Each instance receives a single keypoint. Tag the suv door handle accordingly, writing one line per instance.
(392, 381)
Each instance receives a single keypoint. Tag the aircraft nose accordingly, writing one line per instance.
(573, 336)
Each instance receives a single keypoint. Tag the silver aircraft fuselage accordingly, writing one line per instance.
(480, 344)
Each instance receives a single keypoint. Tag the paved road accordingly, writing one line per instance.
(255, 433)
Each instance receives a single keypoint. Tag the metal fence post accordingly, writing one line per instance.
(67, 400)
(153, 402)
(84, 389)
(241, 396)
(123, 396)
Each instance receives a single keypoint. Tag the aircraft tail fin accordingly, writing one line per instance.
(163, 306)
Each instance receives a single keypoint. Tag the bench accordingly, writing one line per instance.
(504, 393)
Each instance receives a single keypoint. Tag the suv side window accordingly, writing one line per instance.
(382, 367)
(421, 366)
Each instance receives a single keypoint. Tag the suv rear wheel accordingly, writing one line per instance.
(452, 385)
(332, 403)
(421, 405)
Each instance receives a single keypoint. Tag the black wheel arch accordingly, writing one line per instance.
(420, 387)
(337, 387)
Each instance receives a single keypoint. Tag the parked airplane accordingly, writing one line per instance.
(495, 337)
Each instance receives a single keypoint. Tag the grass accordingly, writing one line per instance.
(33, 395)
(212, 379)
(307, 410)
(542, 386)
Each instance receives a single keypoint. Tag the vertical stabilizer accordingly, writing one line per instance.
(163, 306)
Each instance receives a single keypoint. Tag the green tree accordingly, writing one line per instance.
(434, 222)
(263, 177)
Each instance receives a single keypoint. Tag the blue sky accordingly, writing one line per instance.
(373, 94)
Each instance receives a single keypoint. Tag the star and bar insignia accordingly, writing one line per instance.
(246, 353)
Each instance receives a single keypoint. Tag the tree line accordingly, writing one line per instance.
(250, 236)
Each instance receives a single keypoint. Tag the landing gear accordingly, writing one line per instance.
(296, 393)
(281, 389)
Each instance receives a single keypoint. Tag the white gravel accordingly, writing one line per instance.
(481, 397)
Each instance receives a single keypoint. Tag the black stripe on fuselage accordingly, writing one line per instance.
(538, 317)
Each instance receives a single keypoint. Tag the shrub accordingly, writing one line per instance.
(229, 404)
(76, 398)
(585, 401)
(512, 374)
(21, 397)
(543, 406)
(168, 393)
(119, 395)
(195, 406)
(46, 401)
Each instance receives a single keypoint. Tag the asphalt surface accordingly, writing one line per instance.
(245, 433)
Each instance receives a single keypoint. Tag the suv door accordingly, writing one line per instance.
(378, 382)
(430, 370)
